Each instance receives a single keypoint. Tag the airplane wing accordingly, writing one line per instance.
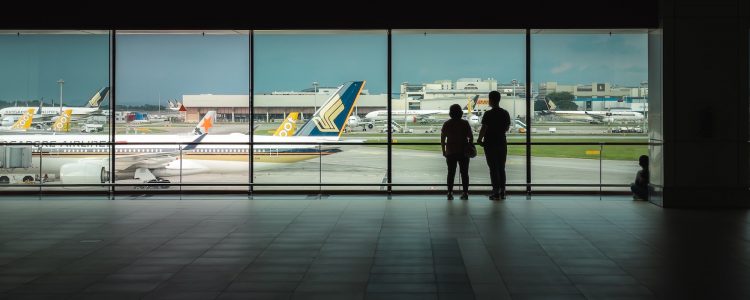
(145, 160)
(425, 116)
(598, 118)
(153, 160)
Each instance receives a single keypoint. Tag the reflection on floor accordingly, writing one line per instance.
(368, 247)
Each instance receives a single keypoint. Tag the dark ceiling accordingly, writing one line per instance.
(270, 14)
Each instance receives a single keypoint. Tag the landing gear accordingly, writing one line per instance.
(158, 183)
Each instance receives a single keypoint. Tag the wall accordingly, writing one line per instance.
(705, 142)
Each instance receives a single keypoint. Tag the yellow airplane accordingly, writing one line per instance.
(288, 127)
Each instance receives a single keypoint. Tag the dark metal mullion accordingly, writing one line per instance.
(389, 172)
(251, 111)
(528, 111)
(112, 106)
(340, 143)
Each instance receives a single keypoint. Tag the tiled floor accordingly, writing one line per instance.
(360, 247)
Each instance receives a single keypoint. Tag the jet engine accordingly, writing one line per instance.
(83, 173)
(353, 121)
(474, 120)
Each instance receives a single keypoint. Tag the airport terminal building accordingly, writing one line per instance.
(600, 96)
(440, 94)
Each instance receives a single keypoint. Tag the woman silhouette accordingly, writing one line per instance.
(458, 134)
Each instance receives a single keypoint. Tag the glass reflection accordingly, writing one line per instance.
(589, 86)
(54, 89)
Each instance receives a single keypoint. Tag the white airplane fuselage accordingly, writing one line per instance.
(601, 116)
(18, 111)
(205, 158)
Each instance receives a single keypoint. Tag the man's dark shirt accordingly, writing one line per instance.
(496, 121)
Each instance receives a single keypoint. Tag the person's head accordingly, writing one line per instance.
(643, 161)
(455, 112)
(495, 99)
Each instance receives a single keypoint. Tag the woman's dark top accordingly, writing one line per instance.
(457, 133)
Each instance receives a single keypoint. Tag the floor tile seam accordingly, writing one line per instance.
(161, 283)
(432, 250)
(546, 252)
(83, 257)
(300, 212)
(338, 219)
(603, 253)
(649, 244)
(52, 211)
(377, 243)
(484, 247)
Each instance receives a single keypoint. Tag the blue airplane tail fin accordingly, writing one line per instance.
(331, 118)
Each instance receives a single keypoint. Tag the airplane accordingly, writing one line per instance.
(24, 123)
(610, 116)
(91, 107)
(469, 115)
(413, 115)
(288, 127)
(62, 123)
(174, 105)
(75, 163)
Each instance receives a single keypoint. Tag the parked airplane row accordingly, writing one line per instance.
(84, 159)
(48, 112)
(373, 118)
(594, 116)
(24, 123)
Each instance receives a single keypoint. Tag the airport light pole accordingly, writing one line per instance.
(61, 83)
(514, 83)
(315, 94)
(406, 116)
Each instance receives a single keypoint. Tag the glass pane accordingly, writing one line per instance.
(590, 86)
(564, 165)
(173, 87)
(434, 69)
(316, 87)
(53, 86)
(620, 164)
(356, 164)
(429, 167)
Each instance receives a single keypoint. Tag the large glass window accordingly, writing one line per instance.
(190, 91)
(433, 69)
(590, 94)
(54, 85)
(313, 91)
(183, 119)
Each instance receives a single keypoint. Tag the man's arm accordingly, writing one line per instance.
(482, 132)
(507, 123)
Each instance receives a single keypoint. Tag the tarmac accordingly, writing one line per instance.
(366, 164)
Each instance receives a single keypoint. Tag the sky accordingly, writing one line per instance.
(150, 67)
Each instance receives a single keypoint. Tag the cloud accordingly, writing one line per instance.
(561, 68)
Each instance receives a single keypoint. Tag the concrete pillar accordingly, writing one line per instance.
(704, 132)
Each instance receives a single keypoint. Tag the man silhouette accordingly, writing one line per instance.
(495, 123)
